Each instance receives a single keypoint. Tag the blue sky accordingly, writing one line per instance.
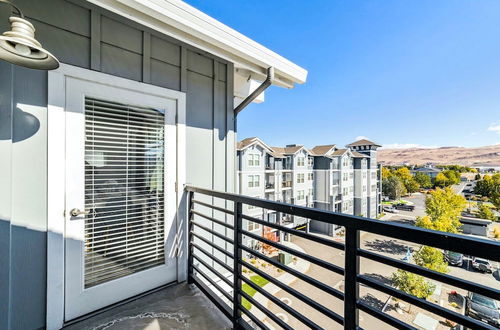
(398, 72)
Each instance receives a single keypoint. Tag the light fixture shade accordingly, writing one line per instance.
(19, 46)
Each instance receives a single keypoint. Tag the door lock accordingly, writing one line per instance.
(76, 212)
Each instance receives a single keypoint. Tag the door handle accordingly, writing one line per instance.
(76, 212)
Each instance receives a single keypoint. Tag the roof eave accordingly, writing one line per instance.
(187, 24)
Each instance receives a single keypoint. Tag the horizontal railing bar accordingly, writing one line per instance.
(225, 238)
(334, 316)
(310, 258)
(455, 281)
(253, 318)
(216, 300)
(213, 270)
(314, 282)
(213, 206)
(296, 232)
(212, 256)
(282, 305)
(384, 317)
(217, 286)
(430, 307)
(213, 219)
(446, 241)
(265, 310)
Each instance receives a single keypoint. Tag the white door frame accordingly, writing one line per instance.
(56, 161)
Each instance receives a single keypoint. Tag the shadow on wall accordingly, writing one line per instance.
(26, 125)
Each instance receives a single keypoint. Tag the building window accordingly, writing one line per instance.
(300, 178)
(310, 176)
(344, 191)
(344, 177)
(253, 181)
(364, 188)
(300, 161)
(254, 160)
(364, 175)
(300, 195)
(310, 161)
(351, 175)
(350, 189)
(374, 187)
(374, 175)
(253, 226)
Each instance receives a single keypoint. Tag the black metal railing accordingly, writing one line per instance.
(226, 256)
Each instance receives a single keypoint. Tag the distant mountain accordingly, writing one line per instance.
(480, 156)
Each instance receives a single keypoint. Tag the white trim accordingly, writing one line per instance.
(56, 170)
(185, 23)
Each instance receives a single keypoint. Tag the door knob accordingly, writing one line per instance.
(76, 212)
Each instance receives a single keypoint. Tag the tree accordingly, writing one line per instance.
(431, 258)
(403, 173)
(413, 284)
(485, 212)
(443, 208)
(452, 176)
(489, 186)
(386, 173)
(423, 180)
(412, 186)
(441, 180)
(393, 187)
(477, 177)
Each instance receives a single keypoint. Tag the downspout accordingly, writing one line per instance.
(256, 92)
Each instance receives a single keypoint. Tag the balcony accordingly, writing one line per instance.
(269, 185)
(217, 267)
(286, 184)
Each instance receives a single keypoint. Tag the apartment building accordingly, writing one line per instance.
(283, 174)
(342, 180)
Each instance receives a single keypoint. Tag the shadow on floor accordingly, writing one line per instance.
(179, 306)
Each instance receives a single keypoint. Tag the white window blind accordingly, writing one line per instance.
(124, 173)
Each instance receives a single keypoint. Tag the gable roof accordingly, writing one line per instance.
(363, 142)
(245, 143)
(339, 152)
(322, 150)
(359, 155)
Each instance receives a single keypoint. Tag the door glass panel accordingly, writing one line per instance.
(124, 190)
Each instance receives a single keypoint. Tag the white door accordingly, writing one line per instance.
(120, 194)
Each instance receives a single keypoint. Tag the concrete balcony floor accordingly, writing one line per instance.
(180, 306)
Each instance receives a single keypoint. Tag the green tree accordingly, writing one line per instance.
(412, 186)
(431, 258)
(452, 176)
(441, 180)
(413, 284)
(443, 208)
(423, 180)
(477, 177)
(485, 212)
(393, 187)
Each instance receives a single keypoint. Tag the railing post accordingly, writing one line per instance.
(351, 287)
(190, 237)
(236, 264)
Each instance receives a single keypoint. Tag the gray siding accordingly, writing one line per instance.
(86, 36)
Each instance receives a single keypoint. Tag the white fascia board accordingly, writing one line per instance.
(187, 24)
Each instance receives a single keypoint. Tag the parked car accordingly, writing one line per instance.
(481, 265)
(404, 207)
(483, 308)
(390, 209)
(454, 258)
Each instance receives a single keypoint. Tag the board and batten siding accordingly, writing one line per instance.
(81, 34)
